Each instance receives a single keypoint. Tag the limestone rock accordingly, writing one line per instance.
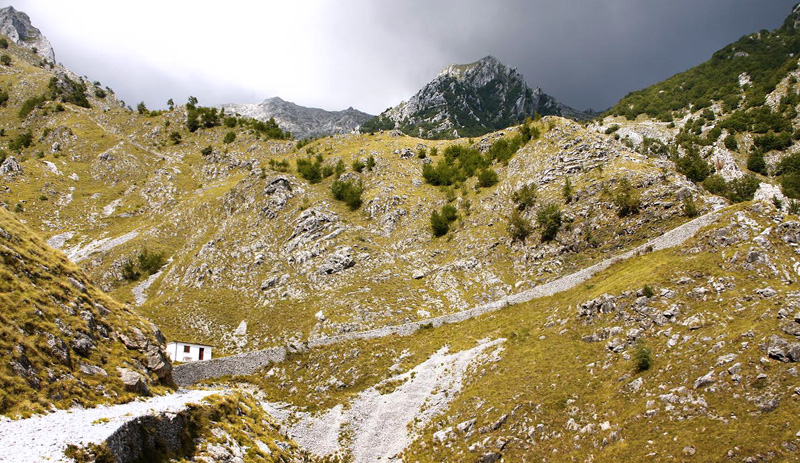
(17, 26)
(10, 166)
(340, 260)
(133, 381)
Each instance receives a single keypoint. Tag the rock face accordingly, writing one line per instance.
(301, 121)
(470, 100)
(16, 25)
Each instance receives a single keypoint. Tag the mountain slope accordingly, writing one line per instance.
(64, 342)
(301, 121)
(469, 100)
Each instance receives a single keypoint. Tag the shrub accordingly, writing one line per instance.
(693, 166)
(789, 170)
(21, 141)
(230, 122)
(229, 137)
(150, 262)
(5, 59)
(612, 128)
(736, 191)
(207, 150)
(730, 143)
(3, 43)
(449, 212)
(756, 163)
(358, 166)
(348, 191)
(371, 162)
(647, 291)
(487, 178)
(642, 358)
(310, 170)
(30, 104)
(518, 226)
(689, 207)
(129, 271)
(175, 137)
(439, 225)
(567, 191)
(626, 199)
(771, 141)
(3, 97)
(525, 197)
(141, 108)
(339, 169)
(549, 220)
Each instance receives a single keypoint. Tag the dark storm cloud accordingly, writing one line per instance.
(371, 54)
(585, 53)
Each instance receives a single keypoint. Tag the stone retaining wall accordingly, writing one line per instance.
(244, 364)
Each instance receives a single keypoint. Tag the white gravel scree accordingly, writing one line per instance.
(45, 437)
(378, 427)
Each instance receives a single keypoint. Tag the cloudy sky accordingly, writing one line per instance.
(371, 54)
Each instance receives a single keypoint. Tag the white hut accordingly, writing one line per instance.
(188, 351)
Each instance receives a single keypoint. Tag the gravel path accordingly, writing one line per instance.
(672, 238)
(45, 437)
(380, 426)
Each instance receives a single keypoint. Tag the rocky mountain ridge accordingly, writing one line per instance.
(470, 100)
(301, 121)
(17, 26)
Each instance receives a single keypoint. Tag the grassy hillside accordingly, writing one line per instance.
(203, 227)
(686, 344)
(61, 338)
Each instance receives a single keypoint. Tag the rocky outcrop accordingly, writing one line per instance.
(301, 121)
(470, 100)
(16, 25)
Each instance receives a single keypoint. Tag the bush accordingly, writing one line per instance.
(449, 212)
(647, 291)
(358, 166)
(549, 220)
(206, 151)
(487, 178)
(525, 197)
(612, 128)
(789, 170)
(693, 166)
(756, 163)
(150, 262)
(21, 141)
(339, 169)
(771, 141)
(689, 207)
(5, 59)
(439, 225)
(3, 43)
(371, 163)
(567, 191)
(175, 137)
(29, 105)
(3, 97)
(229, 137)
(642, 358)
(626, 199)
(349, 192)
(129, 271)
(518, 226)
(736, 191)
(141, 108)
(730, 143)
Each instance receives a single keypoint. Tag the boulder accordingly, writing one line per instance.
(340, 260)
(133, 381)
(82, 344)
(158, 363)
(91, 370)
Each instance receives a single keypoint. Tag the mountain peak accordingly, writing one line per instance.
(16, 25)
(467, 100)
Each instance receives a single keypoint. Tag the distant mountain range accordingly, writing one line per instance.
(301, 121)
(470, 100)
